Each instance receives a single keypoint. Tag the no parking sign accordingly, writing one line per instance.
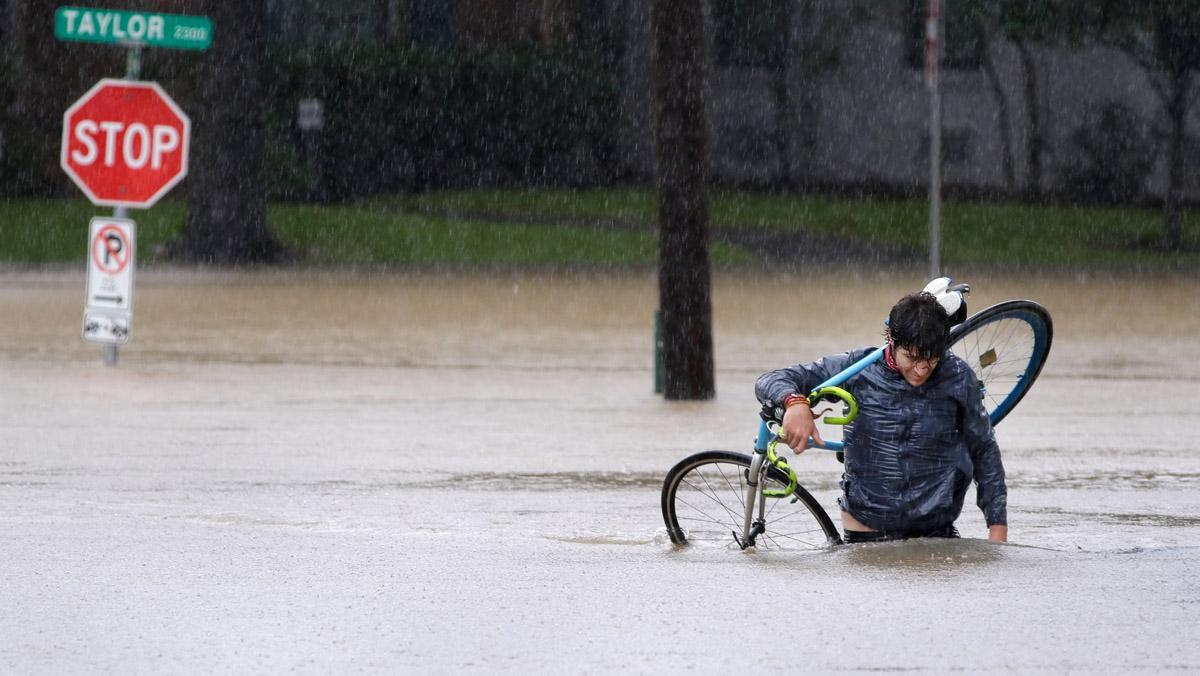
(110, 281)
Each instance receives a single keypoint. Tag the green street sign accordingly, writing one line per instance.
(112, 26)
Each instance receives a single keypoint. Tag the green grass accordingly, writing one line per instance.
(1033, 235)
(611, 204)
(615, 227)
(989, 233)
(51, 231)
(370, 234)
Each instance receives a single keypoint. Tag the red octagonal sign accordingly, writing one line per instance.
(125, 143)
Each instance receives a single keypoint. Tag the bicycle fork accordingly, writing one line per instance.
(751, 527)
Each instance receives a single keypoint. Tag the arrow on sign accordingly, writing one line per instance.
(114, 299)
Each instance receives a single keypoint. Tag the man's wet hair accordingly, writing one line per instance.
(918, 324)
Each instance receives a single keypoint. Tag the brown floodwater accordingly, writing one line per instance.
(424, 472)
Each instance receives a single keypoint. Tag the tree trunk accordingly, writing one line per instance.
(683, 271)
(227, 209)
(1033, 181)
(1003, 120)
(1177, 110)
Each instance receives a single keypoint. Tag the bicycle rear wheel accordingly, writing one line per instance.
(1006, 345)
(704, 497)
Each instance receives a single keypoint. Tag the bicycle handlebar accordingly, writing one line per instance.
(824, 393)
(833, 392)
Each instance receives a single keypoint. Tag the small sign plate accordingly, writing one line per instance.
(107, 329)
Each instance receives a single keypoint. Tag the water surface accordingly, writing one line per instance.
(320, 471)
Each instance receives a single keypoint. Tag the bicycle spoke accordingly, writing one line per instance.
(711, 496)
(773, 538)
(706, 515)
(1013, 339)
(739, 491)
(791, 515)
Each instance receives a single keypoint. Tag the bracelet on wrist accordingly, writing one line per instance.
(793, 399)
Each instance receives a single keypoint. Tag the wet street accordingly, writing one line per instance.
(330, 471)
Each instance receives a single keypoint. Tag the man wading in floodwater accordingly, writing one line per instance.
(921, 434)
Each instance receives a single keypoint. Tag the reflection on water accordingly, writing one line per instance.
(921, 553)
(549, 481)
(1112, 480)
(1148, 520)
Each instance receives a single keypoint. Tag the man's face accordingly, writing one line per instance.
(915, 371)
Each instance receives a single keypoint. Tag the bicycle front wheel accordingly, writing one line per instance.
(1006, 345)
(704, 498)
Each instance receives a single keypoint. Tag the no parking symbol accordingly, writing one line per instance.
(111, 249)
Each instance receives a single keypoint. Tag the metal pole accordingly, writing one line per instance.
(133, 70)
(133, 62)
(660, 369)
(932, 66)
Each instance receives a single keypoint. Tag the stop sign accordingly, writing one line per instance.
(125, 143)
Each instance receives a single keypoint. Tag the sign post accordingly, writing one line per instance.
(933, 58)
(125, 144)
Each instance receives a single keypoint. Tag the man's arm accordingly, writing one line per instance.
(991, 489)
(773, 387)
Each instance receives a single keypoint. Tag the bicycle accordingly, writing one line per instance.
(757, 498)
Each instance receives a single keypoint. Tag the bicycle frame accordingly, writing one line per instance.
(763, 446)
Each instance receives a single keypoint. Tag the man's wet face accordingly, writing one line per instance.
(914, 369)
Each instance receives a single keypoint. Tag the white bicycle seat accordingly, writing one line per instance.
(949, 297)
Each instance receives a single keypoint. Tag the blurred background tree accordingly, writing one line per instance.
(1163, 38)
(227, 206)
(802, 96)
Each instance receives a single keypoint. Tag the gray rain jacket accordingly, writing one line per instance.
(912, 451)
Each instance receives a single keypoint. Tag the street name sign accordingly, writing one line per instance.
(109, 303)
(125, 143)
(112, 26)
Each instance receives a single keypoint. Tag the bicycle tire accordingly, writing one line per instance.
(703, 497)
(1006, 346)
